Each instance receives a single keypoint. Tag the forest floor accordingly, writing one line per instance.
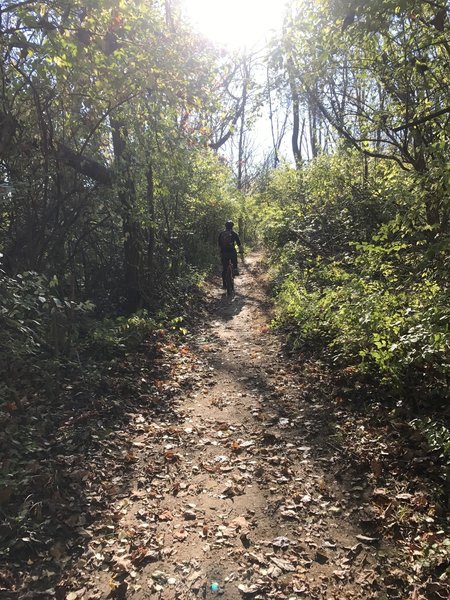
(240, 471)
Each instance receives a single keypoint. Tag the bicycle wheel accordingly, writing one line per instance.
(229, 279)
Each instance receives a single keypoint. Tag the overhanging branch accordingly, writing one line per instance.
(422, 120)
(83, 165)
(345, 133)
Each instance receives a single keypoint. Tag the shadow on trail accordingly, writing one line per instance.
(230, 307)
(77, 461)
(296, 408)
(306, 403)
(226, 309)
(309, 418)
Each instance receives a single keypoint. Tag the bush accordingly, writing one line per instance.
(37, 327)
(322, 208)
(355, 273)
(111, 337)
(397, 329)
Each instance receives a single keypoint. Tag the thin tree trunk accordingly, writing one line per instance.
(151, 240)
(296, 149)
(242, 130)
(132, 233)
(274, 143)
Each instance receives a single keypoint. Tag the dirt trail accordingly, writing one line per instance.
(233, 492)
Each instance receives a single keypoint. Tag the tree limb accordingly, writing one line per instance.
(425, 119)
(83, 165)
(345, 133)
(12, 7)
(228, 134)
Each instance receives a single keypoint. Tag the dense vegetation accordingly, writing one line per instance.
(111, 188)
(359, 233)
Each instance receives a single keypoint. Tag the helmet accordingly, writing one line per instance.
(229, 225)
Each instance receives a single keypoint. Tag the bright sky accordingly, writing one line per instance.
(235, 23)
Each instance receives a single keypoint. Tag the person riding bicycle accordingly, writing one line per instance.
(227, 245)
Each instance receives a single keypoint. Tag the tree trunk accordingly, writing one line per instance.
(296, 149)
(240, 182)
(313, 130)
(151, 237)
(133, 254)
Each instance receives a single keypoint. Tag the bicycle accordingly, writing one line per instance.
(229, 279)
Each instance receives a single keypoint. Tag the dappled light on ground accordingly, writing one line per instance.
(227, 476)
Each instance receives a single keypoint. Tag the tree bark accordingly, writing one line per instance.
(151, 237)
(240, 182)
(133, 252)
(296, 148)
(86, 166)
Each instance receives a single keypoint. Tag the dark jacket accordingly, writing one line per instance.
(228, 248)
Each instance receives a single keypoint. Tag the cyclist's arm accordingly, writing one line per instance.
(237, 239)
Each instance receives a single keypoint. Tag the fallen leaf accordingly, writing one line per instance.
(274, 571)
(180, 535)
(403, 496)
(76, 594)
(376, 467)
(240, 523)
(121, 563)
(165, 516)
(289, 514)
(321, 557)
(5, 494)
(281, 542)
(159, 576)
(283, 564)
(189, 515)
(142, 554)
(58, 550)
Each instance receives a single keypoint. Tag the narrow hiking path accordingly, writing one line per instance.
(230, 488)
(212, 462)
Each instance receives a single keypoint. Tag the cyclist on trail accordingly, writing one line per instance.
(227, 244)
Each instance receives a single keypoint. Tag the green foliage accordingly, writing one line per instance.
(402, 331)
(436, 556)
(112, 337)
(353, 271)
(205, 200)
(375, 76)
(37, 324)
(110, 193)
(438, 437)
(30, 303)
(318, 210)
(110, 180)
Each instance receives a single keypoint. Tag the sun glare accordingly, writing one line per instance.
(235, 23)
